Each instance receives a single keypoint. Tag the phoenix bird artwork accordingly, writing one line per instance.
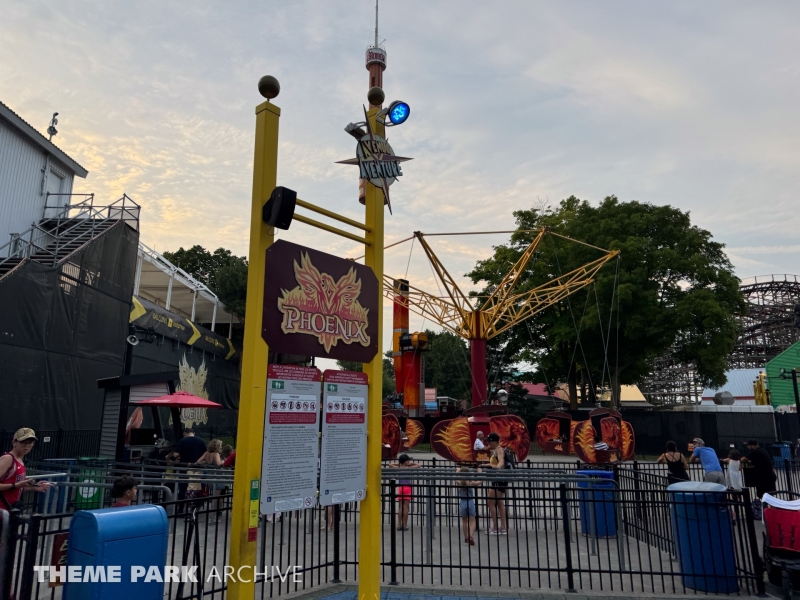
(324, 307)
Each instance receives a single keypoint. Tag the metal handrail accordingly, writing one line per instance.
(120, 210)
(4, 537)
(52, 494)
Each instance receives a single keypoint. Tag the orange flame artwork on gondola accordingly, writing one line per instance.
(451, 439)
(391, 435)
(583, 436)
(415, 432)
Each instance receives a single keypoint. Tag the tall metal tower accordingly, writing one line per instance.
(376, 58)
(375, 61)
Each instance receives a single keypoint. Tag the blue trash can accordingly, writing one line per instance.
(701, 525)
(127, 537)
(597, 504)
(781, 452)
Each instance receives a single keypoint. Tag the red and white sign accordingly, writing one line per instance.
(343, 463)
(375, 55)
(291, 441)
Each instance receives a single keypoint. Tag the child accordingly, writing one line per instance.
(123, 491)
(466, 505)
(733, 475)
(404, 490)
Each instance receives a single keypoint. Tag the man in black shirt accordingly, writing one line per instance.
(763, 470)
(188, 450)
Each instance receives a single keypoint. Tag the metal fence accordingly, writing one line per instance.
(58, 443)
(613, 531)
(568, 532)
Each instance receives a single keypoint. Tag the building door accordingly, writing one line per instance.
(55, 185)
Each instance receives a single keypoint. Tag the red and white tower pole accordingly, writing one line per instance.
(375, 60)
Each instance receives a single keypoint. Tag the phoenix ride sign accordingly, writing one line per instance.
(317, 304)
(343, 467)
(291, 442)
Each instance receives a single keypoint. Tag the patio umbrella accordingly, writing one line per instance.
(175, 402)
(179, 400)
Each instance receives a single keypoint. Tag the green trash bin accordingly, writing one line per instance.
(90, 471)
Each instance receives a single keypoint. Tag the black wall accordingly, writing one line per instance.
(62, 329)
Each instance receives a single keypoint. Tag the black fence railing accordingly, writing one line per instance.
(569, 532)
(58, 443)
(617, 530)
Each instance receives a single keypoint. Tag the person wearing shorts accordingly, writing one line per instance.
(404, 490)
(496, 502)
(466, 505)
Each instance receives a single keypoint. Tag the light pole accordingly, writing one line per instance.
(796, 392)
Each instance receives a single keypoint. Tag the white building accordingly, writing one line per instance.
(35, 175)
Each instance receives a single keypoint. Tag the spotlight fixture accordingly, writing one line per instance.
(356, 131)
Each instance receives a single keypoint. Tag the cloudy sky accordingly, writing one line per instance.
(513, 103)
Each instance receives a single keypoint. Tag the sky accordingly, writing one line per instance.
(513, 104)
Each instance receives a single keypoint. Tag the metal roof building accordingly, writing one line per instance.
(739, 384)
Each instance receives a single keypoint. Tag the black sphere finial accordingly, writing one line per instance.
(269, 87)
(375, 96)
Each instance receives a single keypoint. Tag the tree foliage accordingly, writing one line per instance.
(222, 271)
(447, 365)
(672, 286)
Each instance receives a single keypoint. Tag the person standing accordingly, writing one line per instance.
(763, 469)
(676, 463)
(466, 505)
(188, 450)
(12, 471)
(733, 472)
(708, 458)
(496, 494)
(404, 490)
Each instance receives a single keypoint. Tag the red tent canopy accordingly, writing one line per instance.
(179, 400)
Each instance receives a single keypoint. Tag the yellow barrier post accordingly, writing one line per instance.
(369, 558)
(252, 396)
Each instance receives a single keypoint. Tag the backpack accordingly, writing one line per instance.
(510, 458)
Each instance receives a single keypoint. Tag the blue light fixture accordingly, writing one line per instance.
(399, 112)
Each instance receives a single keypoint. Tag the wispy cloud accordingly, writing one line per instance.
(747, 250)
(671, 103)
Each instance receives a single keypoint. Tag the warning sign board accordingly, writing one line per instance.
(343, 468)
(291, 441)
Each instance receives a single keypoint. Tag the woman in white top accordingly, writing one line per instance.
(733, 474)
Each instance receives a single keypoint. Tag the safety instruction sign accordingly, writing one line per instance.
(291, 440)
(343, 462)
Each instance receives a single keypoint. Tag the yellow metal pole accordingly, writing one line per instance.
(252, 396)
(369, 558)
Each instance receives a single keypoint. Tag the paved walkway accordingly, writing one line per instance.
(350, 592)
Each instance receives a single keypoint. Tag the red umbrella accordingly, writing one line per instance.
(179, 400)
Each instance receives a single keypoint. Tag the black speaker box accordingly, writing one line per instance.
(279, 209)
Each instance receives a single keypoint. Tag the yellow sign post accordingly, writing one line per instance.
(252, 395)
(254, 370)
(369, 558)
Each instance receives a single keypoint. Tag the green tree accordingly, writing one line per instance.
(447, 365)
(672, 286)
(222, 271)
(520, 406)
